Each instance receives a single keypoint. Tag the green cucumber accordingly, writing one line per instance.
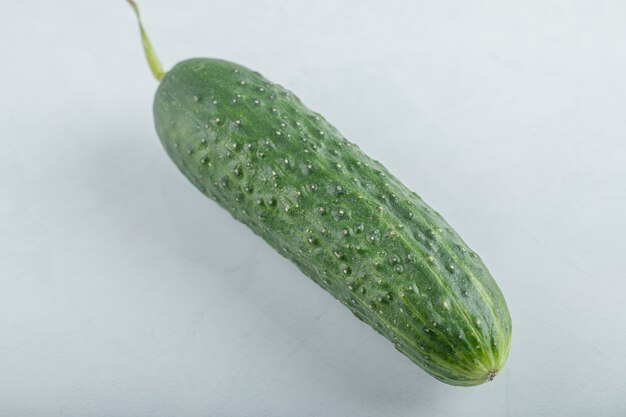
(339, 215)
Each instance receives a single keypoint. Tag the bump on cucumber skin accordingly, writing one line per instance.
(345, 221)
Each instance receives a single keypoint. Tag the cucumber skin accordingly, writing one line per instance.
(339, 215)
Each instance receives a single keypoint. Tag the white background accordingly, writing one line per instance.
(125, 292)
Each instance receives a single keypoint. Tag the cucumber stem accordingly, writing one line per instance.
(151, 57)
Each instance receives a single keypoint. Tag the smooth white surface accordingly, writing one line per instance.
(125, 292)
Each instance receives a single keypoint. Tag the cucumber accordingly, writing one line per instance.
(339, 215)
